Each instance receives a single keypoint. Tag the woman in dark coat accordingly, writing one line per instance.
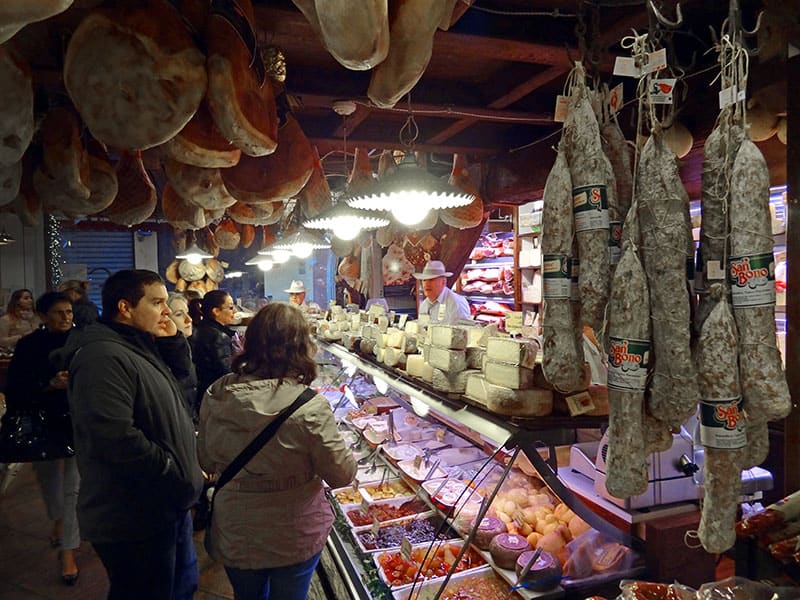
(212, 340)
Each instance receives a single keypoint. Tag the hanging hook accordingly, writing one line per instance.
(663, 20)
(747, 33)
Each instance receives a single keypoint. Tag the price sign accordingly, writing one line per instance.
(405, 548)
(376, 525)
(364, 506)
(355, 485)
(562, 109)
(417, 462)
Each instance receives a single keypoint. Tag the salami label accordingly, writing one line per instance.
(722, 425)
(575, 271)
(627, 364)
(614, 242)
(590, 207)
(752, 280)
(556, 276)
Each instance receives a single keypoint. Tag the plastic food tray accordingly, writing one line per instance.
(455, 493)
(427, 588)
(393, 502)
(368, 489)
(361, 529)
(421, 474)
(399, 452)
(377, 555)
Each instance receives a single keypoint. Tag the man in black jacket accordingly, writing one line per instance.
(135, 445)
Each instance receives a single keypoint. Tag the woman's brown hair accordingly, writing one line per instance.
(12, 308)
(278, 345)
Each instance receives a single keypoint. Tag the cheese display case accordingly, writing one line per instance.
(444, 478)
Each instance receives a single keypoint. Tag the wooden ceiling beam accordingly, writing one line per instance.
(325, 144)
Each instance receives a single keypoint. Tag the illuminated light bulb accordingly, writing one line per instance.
(265, 265)
(302, 250)
(409, 210)
(194, 259)
(380, 384)
(281, 256)
(346, 231)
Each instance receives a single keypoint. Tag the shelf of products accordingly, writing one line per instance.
(466, 444)
(529, 255)
(487, 282)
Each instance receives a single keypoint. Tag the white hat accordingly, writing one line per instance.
(432, 270)
(297, 287)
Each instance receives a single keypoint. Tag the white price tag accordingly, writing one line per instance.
(376, 525)
(625, 66)
(405, 548)
(401, 323)
(579, 403)
(364, 506)
(655, 61)
(730, 95)
(615, 99)
(417, 461)
(562, 109)
(661, 91)
(714, 271)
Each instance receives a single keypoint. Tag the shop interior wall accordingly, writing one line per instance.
(22, 263)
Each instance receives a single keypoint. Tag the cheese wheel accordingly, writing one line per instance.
(506, 548)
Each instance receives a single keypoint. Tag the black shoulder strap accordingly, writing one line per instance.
(261, 439)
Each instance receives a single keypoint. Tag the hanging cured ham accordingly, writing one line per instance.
(134, 74)
(241, 99)
(136, 199)
(15, 14)
(200, 143)
(16, 107)
(356, 34)
(471, 215)
(277, 177)
(413, 24)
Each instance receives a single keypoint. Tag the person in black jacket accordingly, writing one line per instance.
(212, 341)
(35, 382)
(84, 310)
(135, 445)
(174, 347)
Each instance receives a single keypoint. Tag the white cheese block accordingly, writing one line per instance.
(520, 352)
(474, 335)
(446, 336)
(376, 310)
(475, 356)
(394, 357)
(355, 322)
(416, 366)
(510, 376)
(348, 341)
(447, 359)
(534, 402)
(412, 327)
(340, 316)
(424, 320)
(380, 353)
(381, 340)
(368, 331)
(453, 383)
(383, 323)
(396, 338)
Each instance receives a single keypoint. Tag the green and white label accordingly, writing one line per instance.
(722, 424)
(556, 276)
(590, 207)
(752, 280)
(627, 364)
(614, 242)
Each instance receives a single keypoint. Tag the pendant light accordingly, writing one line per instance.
(343, 221)
(262, 262)
(6, 239)
(301, 243)
(193, 253)
(410, 192)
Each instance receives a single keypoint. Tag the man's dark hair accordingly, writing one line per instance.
(45, 302)
(127, 284)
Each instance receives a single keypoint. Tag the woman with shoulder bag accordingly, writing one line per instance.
(271, 521)
(35, 383)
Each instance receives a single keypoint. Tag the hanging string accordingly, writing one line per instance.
(409, 132)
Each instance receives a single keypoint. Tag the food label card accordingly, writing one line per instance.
(405, 548)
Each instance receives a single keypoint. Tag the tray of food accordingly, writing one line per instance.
(481, 583)
(391, 488)
(398, 452)
(448, 494)
(419, 529)
(427, 562)
(420, 470)
(384, 510)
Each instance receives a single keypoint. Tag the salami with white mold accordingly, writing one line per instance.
(722, 424)
(662, 204)
(616, 149)
(752, 277)
(562, 356)
(587, 166)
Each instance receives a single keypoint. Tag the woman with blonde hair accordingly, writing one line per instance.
(271, 520)
(19, 320)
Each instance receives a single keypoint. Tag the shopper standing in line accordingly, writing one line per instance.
(19, 319)
(212, 340)
(85, 311)
(271, 521)
(35, 382)
(134, 444)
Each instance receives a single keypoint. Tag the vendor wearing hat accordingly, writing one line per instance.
(297, 292)
(444, 306)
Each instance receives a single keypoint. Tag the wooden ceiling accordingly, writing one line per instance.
(489, 89)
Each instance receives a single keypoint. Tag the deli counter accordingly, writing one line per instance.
(451, 499)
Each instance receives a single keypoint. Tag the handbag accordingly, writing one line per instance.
(31, 435)
(210, 492)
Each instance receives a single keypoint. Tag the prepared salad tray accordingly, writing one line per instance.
(384, 510)
(427, 562)
(420, 529)
(477, 584)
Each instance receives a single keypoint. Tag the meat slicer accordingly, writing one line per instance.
(675, 475)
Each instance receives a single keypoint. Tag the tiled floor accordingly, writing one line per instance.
(29, 567)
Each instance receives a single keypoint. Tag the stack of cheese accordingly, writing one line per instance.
(447, 356)
(506, 384)
(336, 327)
(350, 337)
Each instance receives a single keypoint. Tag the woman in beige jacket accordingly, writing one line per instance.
(272, 520)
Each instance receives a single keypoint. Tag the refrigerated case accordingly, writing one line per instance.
(461, 425)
